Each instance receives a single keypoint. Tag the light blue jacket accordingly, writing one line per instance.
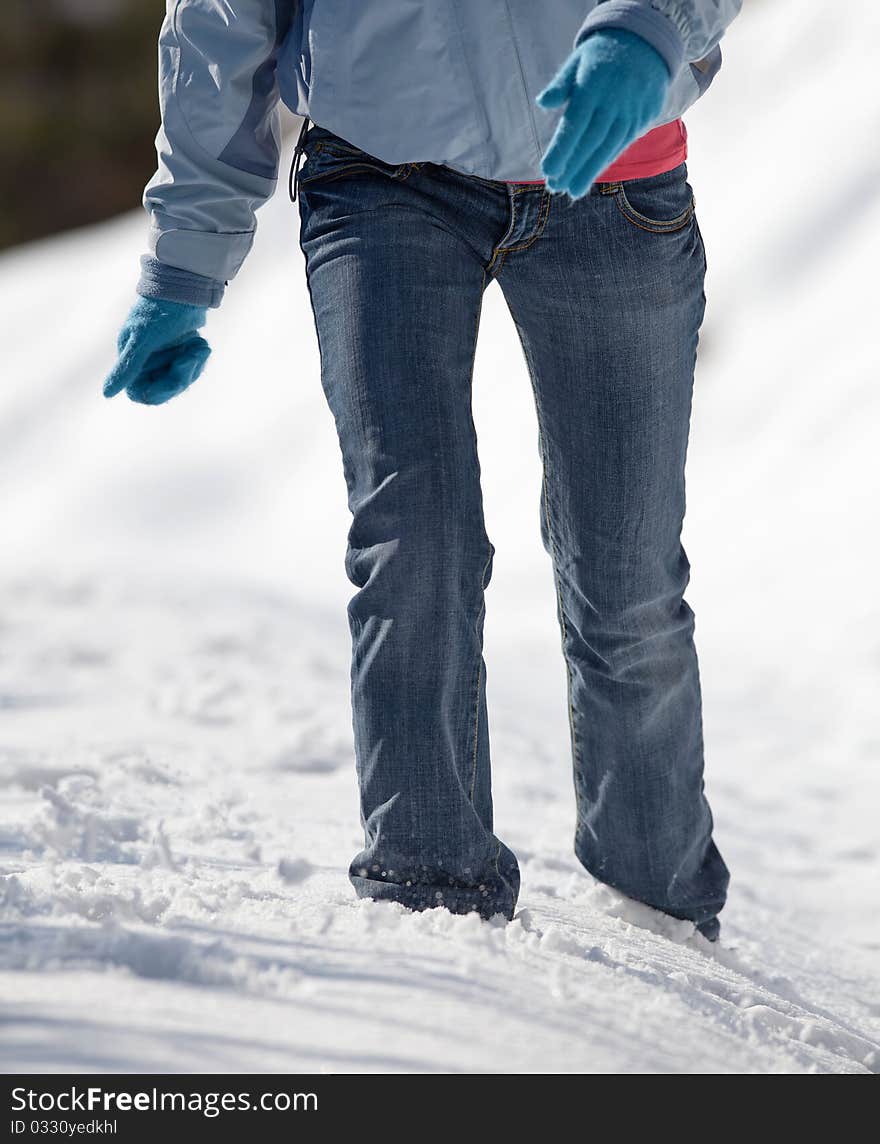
(444, 81)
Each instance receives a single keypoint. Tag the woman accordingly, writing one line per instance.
(540, 145)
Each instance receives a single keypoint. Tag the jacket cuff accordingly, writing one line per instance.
(643, 19)
(159, 280)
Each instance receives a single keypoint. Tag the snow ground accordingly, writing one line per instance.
(175, 734)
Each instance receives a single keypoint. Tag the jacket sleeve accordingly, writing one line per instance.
(682, 31)
(219, 143)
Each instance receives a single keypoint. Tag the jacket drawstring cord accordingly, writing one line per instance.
(297, 152)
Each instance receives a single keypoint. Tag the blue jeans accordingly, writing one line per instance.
(606, 293)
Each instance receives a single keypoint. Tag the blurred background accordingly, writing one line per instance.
(173, 605)
(78, 111)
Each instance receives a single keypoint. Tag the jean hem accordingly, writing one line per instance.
(704, 918)
(456, 899)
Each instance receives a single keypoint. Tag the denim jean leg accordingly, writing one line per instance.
(396, 301)
(608, 310)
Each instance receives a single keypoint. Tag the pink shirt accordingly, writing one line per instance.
(659, 150)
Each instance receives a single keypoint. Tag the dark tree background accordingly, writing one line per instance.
(78, 111)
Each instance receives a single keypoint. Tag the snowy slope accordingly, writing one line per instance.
(174, 725)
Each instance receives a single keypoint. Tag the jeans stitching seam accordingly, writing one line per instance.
(654, 227)
(399, 172)
(539, 227)
(338, 172)
(499, 249)
(476, 723)
(555, 561)
(482, 609)
(564, 626)
(496, 861)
